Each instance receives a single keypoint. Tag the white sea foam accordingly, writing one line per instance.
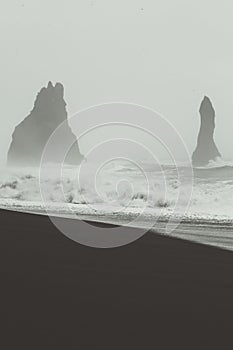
(122, 187)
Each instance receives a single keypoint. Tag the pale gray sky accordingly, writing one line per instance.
(162, 54)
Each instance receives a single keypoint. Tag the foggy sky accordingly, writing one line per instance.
(162, 54)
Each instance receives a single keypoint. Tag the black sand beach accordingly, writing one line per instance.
(156, 293)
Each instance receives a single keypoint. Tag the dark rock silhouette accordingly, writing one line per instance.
(32, 134)
(206, 149)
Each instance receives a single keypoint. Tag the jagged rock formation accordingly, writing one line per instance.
(206, 149)
(32, 134)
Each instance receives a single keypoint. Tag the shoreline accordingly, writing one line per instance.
(65, 209)
(210, 232)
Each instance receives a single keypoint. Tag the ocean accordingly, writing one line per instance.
(199, 200)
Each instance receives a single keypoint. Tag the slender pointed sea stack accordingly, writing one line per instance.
(206, 149)
(31, 135)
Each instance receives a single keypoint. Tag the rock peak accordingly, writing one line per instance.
(206, 105)
(206, 99)
(50, 85)
(206, 149)
(32, 134)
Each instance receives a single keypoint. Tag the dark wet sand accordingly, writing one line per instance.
(156, 293)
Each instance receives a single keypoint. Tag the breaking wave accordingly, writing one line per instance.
(123, 186)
